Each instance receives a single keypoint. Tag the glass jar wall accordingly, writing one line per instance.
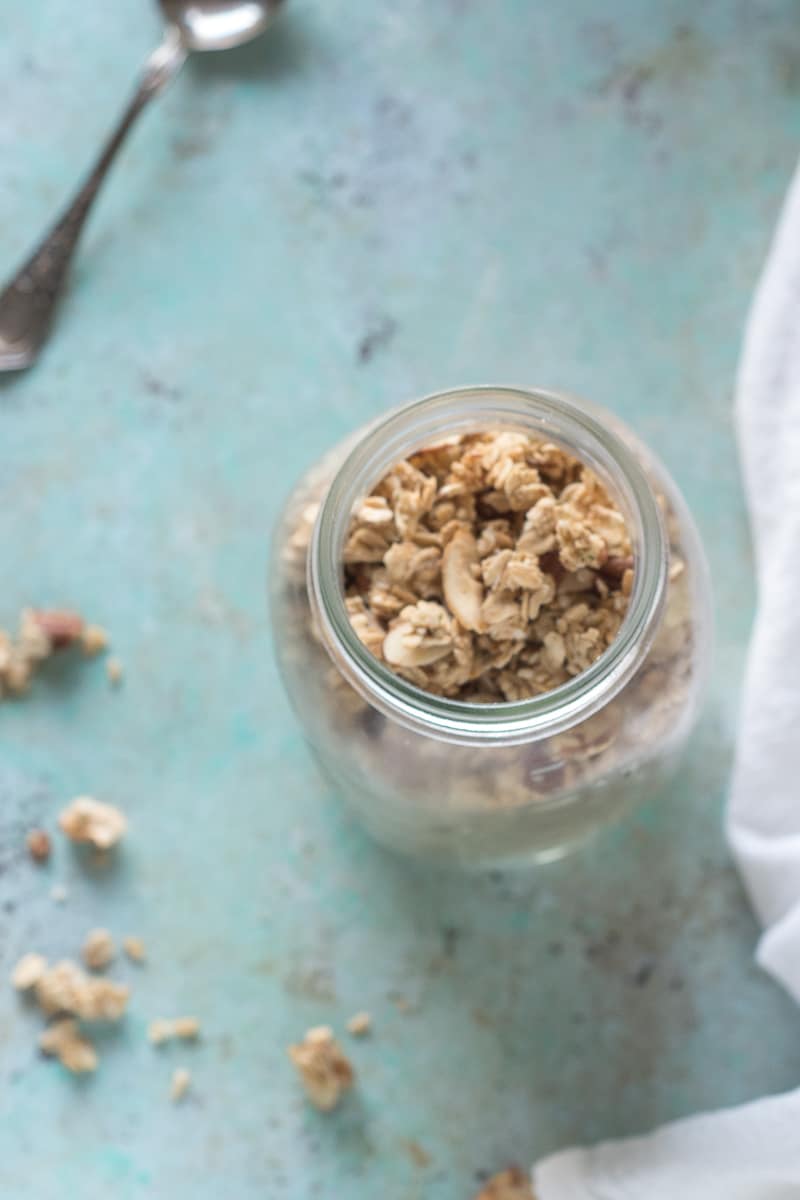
(481, 784)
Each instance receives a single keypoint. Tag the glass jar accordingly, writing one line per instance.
(487, 784)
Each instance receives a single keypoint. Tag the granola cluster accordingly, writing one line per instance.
(324, 1069)
(41, 634)
(68, 995)
(91, 821)
(511, 1184)
(491, 567)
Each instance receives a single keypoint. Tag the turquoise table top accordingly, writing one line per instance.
(375, 201)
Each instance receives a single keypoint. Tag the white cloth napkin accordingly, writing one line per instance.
(751, 1152)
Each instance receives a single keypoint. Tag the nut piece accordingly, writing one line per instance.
(134, 948)
(38, 843)
(98, 949)
(360, 1024)
(28, 971)
(59, 627)
(463, 593)
(65, 988)
(512, 1184)
(164, 1029)
(324, 1070)
(41, 633)
(181, 1082)
(64, 1040)
(94, 639)
(88, 820)
(114, 671)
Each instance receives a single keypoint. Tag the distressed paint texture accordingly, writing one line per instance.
(376, 201)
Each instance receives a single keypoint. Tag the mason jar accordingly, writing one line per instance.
(494, 783)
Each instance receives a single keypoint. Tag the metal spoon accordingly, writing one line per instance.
(29, 300)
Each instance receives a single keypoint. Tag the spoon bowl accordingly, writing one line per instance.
(218, 24)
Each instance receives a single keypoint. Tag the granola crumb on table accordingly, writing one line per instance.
(114, 671)
(360, 1024)
(64, 1041)
(165, 1029)
(41, 633)
(134, 947)
(511, 1184)
(28, 971)
(89, 820)
(65, 989)
(180, 1084)
(94, 640)
(491, 567)
(324, 1069)
(98, 949)
(38, 843)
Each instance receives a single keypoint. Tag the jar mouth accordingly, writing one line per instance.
(586, 432)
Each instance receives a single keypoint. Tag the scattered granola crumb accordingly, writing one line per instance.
(44, 630)
(59, 894)
(360, 1024)
(511, 1184)
(65, 988)
(38, 843)
(165, 1029)
(401, 1003)
(98, 949)
(41, 633)
(181, 1082)
(323, 1067)
(64, 1041)
(134, 948)
(186, 1027)
(114, 671)
(89, 820)
(94, 640)
(28, 971)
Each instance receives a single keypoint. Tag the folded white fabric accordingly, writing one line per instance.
(747, 1153)
(751, 1152)
(764, 813)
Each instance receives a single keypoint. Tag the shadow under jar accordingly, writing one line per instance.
(481, 784)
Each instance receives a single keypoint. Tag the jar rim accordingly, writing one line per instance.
(595, 437)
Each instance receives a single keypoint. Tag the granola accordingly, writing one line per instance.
(94, 640)
(511, 1184)
(38, 843)
(28, 971)
(115, 671)
(64, 1041)
(98, 949)
(166, 1029)
(65, 989)
(360, 1024)
(42, 632)
(135, 949)
(88, 820)
(180, 1084)
(490, 568)
(323, 1067)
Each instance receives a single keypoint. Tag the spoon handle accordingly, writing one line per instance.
(28, 301)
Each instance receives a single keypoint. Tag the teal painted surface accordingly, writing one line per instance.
(378, 201)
